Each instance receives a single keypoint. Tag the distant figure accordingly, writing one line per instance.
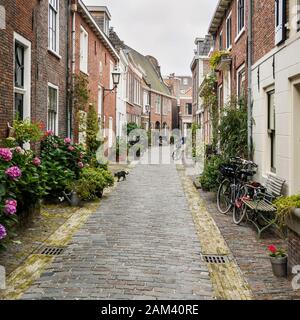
(160, 141)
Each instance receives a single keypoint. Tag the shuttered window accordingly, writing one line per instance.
(280, 20)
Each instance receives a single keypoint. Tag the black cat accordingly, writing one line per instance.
(121, 174)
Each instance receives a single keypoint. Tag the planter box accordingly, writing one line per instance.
(293, 224)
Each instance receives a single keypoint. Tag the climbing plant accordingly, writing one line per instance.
(92, 129)
(81, 92)
(210, 100)
(233, 129)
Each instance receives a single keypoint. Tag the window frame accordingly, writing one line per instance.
(158, 103)
(51, 8)
(221, 41)
(84, 66)
(272, 130)
(229, 35)
(25, 90)
(240, 70)
(240, 29)
(55, 87)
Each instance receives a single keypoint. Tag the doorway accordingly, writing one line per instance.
(296, 140)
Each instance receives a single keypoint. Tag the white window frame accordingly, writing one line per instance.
(50, 48)
(242, 30)
(239, 70)
(53, 86)
(111, 70)
(221, 42)
(100, 101)
(229, 46)
(26, 91)
(84, 65)
(158, 104)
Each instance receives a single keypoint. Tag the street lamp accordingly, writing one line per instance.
(116, 75)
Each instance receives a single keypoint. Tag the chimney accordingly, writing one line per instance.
(102, 17)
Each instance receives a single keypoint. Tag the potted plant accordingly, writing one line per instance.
(279, 260)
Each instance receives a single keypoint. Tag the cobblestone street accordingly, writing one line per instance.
(140, 244)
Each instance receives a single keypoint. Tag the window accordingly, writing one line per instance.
(158, 104)
(22, 77)
(272, 129)
(188, 109)
(53, 25)
(52, 123)
(84, 50)
(100, 101)
(280, 20)
(241, 82)
(229, 32)
(185, 81)
(298, 15)
(221, 41)
(145, 101)
(240, 15)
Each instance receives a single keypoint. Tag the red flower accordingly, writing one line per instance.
(272, 248)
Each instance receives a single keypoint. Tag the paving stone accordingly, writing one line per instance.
(140, 244)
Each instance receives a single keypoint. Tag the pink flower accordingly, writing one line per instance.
(71, 148)
(14, 173)
(49, 133)
(19, 150)
(68, 140)
(5, 154)
(3, 232)
(10, 207)
(80, 165)
(37, 161)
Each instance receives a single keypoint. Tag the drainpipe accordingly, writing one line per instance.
(73, 10)
(249, 96)
(68, 82)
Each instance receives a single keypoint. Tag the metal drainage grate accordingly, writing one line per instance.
(51, 251)
(215, 259)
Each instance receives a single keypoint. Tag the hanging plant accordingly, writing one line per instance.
(216, 58)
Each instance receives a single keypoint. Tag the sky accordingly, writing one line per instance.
(165, 29)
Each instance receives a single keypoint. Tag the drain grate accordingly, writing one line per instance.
(215, 259)
(51, 251)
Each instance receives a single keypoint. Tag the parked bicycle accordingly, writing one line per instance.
(235, 176)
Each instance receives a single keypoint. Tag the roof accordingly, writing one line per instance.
(82, 9)
(151, 76)
(218, 16)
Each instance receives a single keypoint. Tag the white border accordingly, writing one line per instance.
(51, 85)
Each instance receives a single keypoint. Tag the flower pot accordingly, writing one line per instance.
(279, 266)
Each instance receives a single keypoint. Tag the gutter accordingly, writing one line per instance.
(249, 96)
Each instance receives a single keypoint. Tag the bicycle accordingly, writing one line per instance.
(235, 175)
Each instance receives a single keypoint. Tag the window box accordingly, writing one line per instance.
(225, 63)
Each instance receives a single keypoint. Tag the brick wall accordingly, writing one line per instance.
(239, 45)
(293, 249)
(263, 28)
(97, 53)
(20, 18)
(51, 68)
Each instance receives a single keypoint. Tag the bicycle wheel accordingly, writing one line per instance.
(239, 208)
(224, 197)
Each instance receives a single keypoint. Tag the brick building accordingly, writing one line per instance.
(17, 52)
(34, 64)
(181, 88)
(154, 93)
(229, 30)
(95, 58)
